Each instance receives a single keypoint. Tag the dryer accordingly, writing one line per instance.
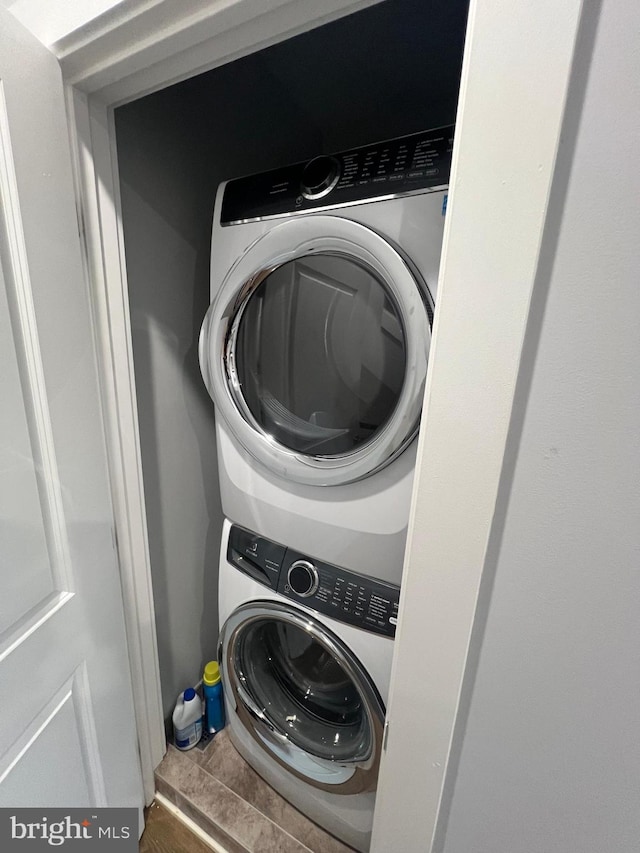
(315, 346)
(305, 653)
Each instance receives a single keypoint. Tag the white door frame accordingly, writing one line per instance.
(503, 166)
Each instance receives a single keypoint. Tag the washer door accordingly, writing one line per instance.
(301, 694)
(315, 350)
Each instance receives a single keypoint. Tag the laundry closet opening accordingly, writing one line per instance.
(383, 72)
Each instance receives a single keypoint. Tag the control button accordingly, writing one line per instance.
(319, 177)
(303, 579)
(393, 620)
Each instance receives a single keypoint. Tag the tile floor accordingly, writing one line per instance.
(220, 792)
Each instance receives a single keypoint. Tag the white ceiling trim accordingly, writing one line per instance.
(149, 42)
(50, 20)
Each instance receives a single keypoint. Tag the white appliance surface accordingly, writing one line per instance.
(327, 479)
(372, 650)
(348, 816)
(359, 525)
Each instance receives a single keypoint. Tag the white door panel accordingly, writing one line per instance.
(22, 529)
(46, 765)
(67, 733)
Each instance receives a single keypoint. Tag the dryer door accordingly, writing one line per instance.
(303, 696)
(315, 350)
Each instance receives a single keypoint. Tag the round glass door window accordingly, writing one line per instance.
(305, 692)
(320, 354)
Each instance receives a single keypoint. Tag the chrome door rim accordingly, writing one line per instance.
(292, 240)
(262, 729)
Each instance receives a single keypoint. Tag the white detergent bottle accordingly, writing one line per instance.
(187, 719)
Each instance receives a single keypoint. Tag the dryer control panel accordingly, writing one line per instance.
(342, 594)
(420, 162)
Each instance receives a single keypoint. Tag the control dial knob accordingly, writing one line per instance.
(319, 177)
(303, 578)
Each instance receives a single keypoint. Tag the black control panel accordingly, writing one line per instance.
(421, 161)
(344, 595)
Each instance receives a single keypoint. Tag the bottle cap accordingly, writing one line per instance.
(189, 693)
(211, 673)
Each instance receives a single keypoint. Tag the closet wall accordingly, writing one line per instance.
(551, 751)
(389, 70)
(174, 149)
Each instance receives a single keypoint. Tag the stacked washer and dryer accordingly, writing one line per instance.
(315, 351)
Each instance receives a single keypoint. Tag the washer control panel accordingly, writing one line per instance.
(256, 556)
(414, 163)
(302, 578)
(342, 594)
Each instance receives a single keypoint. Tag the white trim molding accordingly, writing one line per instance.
(516, 72)
(96, 181)
(143, 45)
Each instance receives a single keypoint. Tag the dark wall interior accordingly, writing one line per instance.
(389, 70)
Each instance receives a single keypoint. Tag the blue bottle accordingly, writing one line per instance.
(213, 698)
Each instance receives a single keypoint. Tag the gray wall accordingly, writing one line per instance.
(325, 90)
(551, 754)
(173, 151)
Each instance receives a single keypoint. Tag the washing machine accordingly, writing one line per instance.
(316, 343)
(305, 653)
